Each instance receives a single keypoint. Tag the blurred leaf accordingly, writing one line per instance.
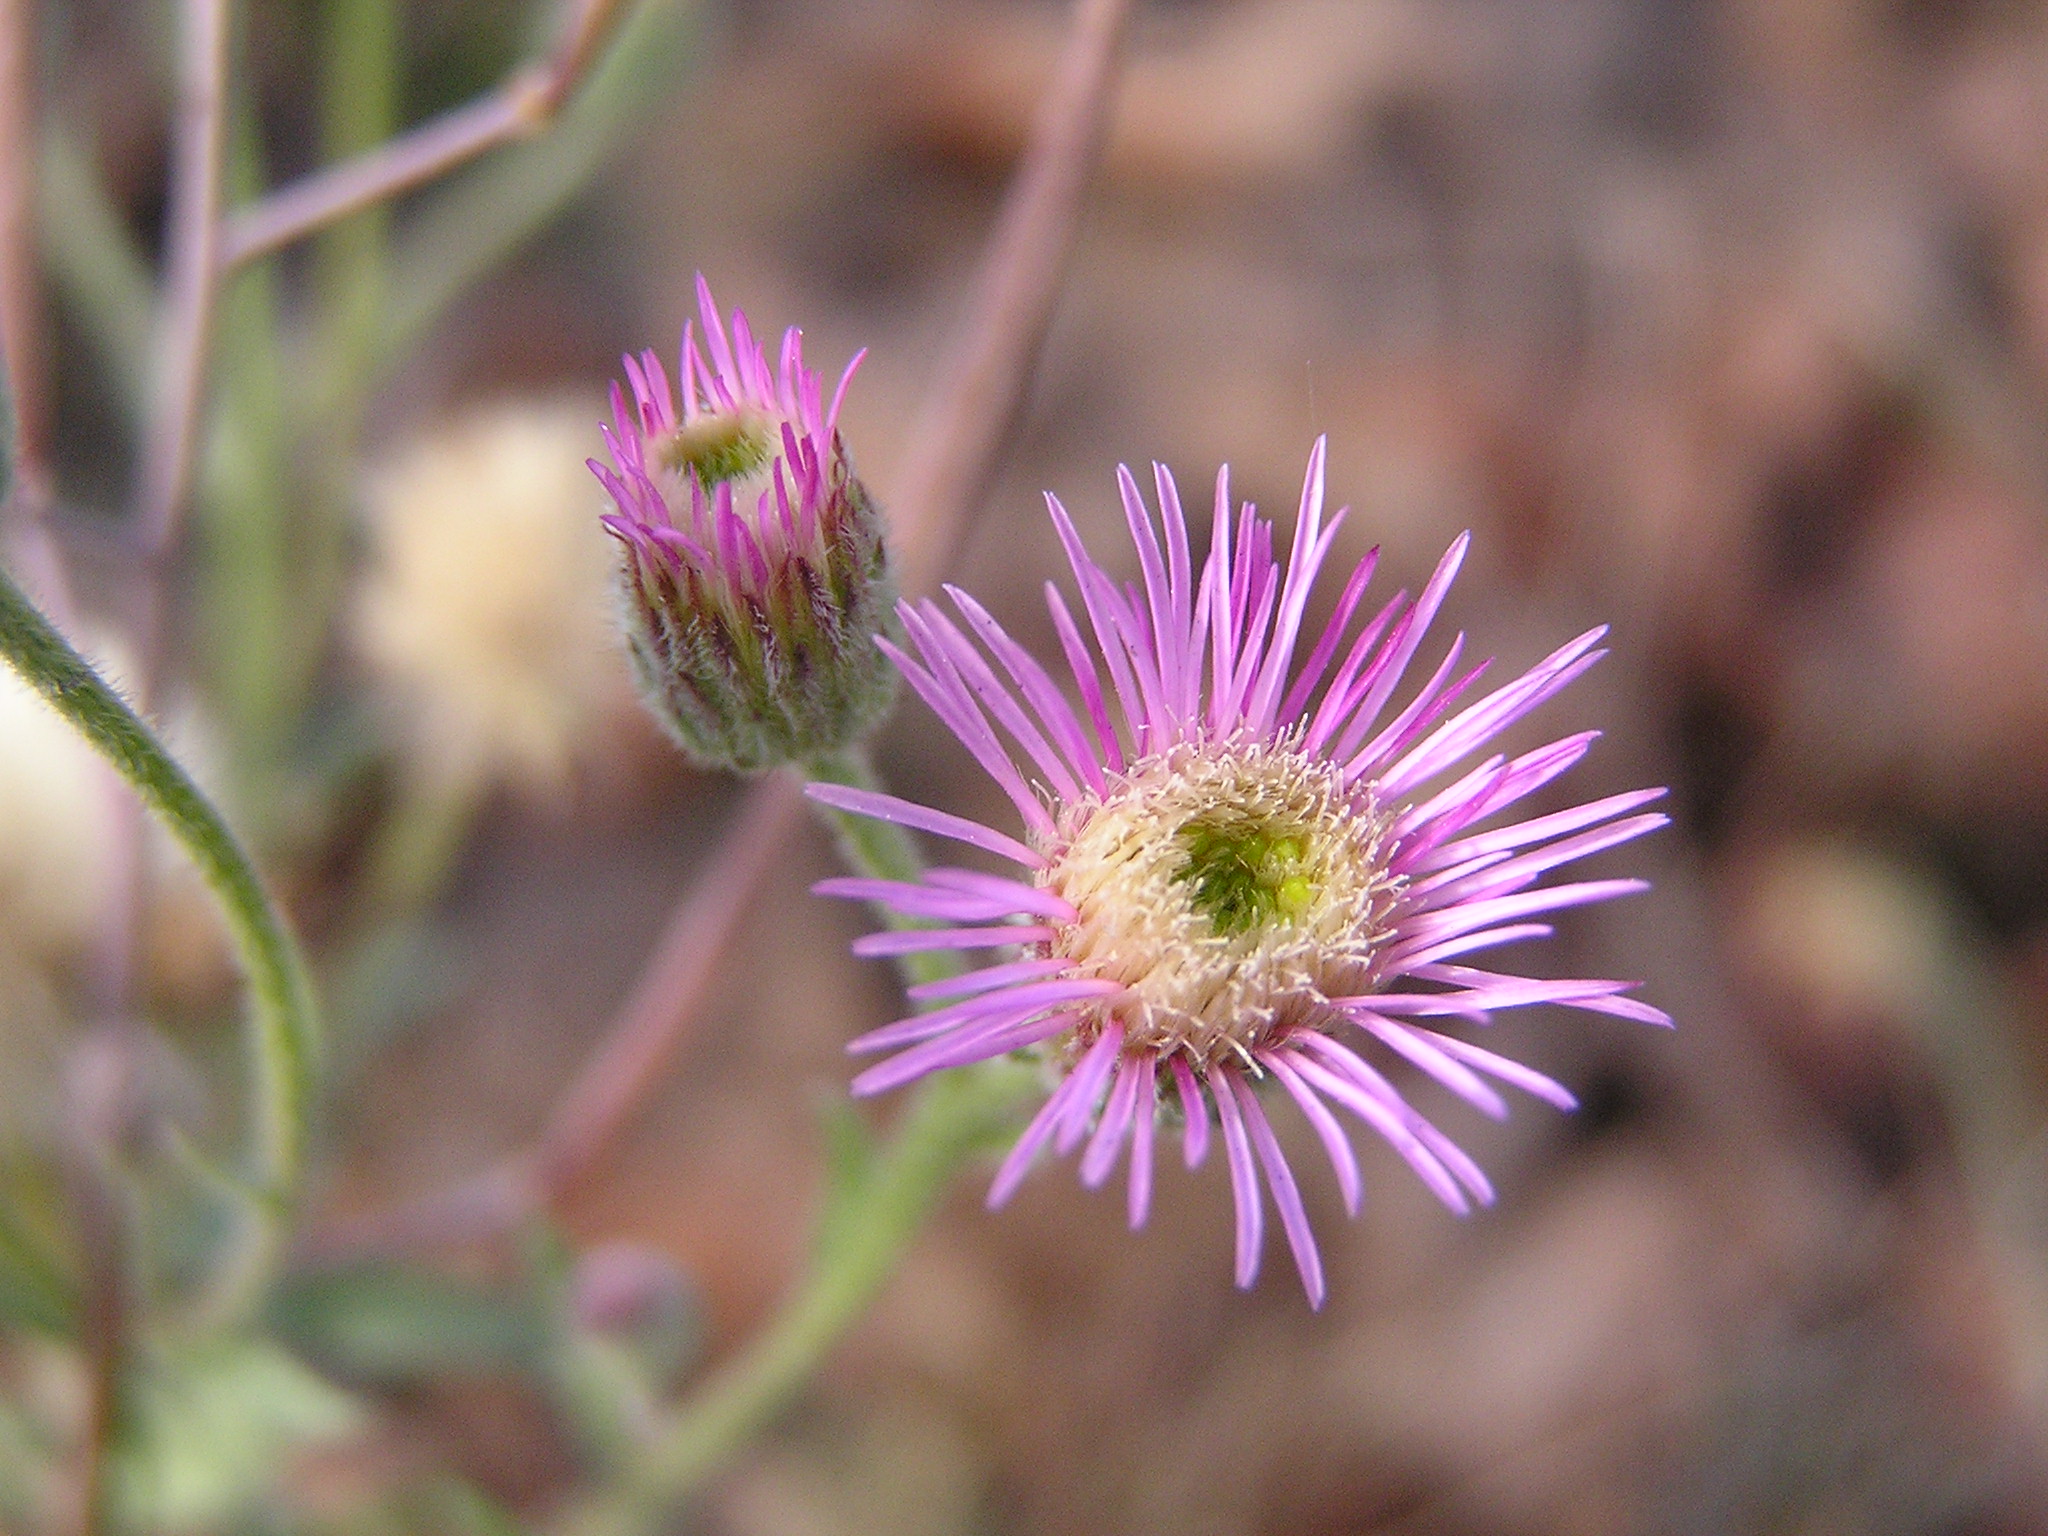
(208, 1427)
(252, 622)
(384, 983)
(442, 1506)
(33, 1449)
(359, 110)
(35, 1291)
(462, 1510)
(385, 1325)
(476, 221)
(96, 265)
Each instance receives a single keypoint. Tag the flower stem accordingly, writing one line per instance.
(878, 848)
(284, 1033)
(867, 1228)
(952, 1116)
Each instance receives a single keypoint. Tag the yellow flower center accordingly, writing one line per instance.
(1233, 887)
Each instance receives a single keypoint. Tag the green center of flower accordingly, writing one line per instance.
(1232, 887)
(718, 447)
(1244, 872)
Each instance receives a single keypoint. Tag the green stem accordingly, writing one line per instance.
(869, 1226)
(284, 1033)
(952, 1116)
(878, 848)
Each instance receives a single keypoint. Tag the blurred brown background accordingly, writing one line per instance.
(1723, 320)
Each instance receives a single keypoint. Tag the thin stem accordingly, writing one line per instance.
(25, 410)
(634, 1052)
(980, 388)
(284, 1032)
(645, 1034)
(165, 474)
(949, 1119)
(21, 348)
(525, 103)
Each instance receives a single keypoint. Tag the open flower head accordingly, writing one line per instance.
(1246, 877)
(755, 573)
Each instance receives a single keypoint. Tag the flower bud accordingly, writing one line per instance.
(755, 576)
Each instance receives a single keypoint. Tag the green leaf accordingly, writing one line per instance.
(209, 1426)
(36, 1290)
(94, 262)
(388, 1326)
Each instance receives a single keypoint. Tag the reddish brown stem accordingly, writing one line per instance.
(641, 1043)
(978, 393)
(169, 444)
(20, 307)
(525, 103)
(634, 1053)
(964, 423)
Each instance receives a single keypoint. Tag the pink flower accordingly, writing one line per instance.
(1243, 879)
(755, 572)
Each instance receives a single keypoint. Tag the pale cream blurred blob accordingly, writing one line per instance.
(57, 832)
(486, 612)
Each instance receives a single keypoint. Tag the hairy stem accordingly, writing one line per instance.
(878, 848)
(950, 1118)
(284, 1033)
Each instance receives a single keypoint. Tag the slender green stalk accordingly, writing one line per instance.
(873, 1215)
(284, 1033)
(249, 619)
(879, 848)
(415, 847)
(952, 1117)
(359, 109)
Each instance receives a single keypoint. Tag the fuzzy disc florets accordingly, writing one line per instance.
(1254, 871)
(1232, 888)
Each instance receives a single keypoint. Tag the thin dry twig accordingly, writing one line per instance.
(635, 1051)
(170, 440)
(978, 393)
(20, 310)
(21, 321)
(963, 426)
(647, 1029)
(524, 104)
(170, 436)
